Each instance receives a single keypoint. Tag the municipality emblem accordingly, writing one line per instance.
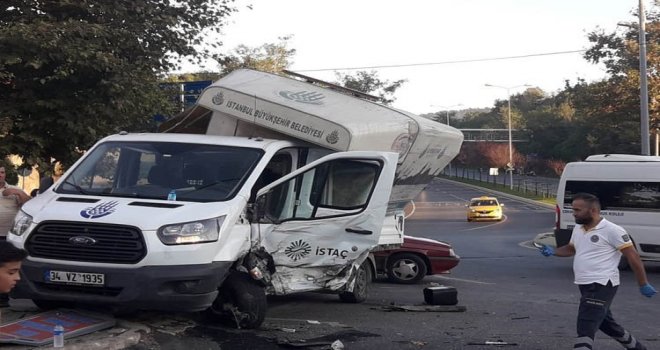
(218, 99)
(332, 137)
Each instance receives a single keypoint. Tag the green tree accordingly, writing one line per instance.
(614, 112)
(370, 83)
(269, 57)
(74, 71)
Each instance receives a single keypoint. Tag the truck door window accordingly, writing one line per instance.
(336, 188)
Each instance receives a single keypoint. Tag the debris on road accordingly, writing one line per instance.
(495, 343)
(337, 345)
(425, 308)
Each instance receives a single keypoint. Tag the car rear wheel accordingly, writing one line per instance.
(406, 268)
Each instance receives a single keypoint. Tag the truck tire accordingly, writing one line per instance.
(361, 289)
(241, 302)
(405, 268)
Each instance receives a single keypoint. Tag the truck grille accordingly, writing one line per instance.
(101, 243)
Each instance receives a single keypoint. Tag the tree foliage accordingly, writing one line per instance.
(269, 57)
(586, 118)
(74, 71)
(370, 83)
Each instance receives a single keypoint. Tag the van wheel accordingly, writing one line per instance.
(361, 289)
(52, 304)
(241, 302)
(405, 268)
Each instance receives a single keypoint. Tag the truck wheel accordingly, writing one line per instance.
(361, 289)
(240, 302)
(52, 304)
(405, 268)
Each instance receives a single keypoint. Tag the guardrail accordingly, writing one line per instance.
(544, 187)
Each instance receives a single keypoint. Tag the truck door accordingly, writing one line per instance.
(320, 221)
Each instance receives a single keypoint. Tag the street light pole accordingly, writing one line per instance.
(446, 108)
(643, 90)
(509, 167)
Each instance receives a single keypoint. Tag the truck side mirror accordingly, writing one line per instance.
(258, 210)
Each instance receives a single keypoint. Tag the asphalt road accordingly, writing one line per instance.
(512, 295)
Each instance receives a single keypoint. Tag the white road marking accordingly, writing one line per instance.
(412, 211)
(459, 198)
(463, 280)
(528, 244)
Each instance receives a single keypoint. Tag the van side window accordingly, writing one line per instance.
(336, 188)
(617, 195)
(278, 166)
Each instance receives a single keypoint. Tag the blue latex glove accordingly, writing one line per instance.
(647, 290)
(547, 250)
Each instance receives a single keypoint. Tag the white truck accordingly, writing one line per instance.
(283, 187)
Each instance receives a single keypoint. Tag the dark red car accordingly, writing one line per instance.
(416, 258)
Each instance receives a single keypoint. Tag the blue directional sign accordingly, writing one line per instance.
(192, 90)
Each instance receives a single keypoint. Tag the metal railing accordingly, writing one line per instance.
(540, 186)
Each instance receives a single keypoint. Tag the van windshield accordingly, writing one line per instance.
(154, 170)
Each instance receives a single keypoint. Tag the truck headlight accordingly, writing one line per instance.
(21, 223)
(191, 232)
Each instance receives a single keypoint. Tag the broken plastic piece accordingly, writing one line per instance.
(337, 345)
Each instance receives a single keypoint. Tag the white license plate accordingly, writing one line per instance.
(68, 277)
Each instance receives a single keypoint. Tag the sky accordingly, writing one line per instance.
(365, 33)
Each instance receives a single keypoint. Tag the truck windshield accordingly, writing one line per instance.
(154, 170)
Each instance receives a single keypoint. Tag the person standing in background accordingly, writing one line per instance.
(11, 199)
(48, 181)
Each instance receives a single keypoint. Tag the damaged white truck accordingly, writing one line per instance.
(268, 185)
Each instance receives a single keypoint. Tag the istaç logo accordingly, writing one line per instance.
(308, 97)
(298, 250)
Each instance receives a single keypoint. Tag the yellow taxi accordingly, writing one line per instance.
(484, 208)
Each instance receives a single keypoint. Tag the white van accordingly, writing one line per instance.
(288, 188)
(628, 187)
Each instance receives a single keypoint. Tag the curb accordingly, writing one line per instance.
(501, 194)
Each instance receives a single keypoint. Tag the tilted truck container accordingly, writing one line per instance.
(284, 187)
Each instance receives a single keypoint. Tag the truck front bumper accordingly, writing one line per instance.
(168, 288)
